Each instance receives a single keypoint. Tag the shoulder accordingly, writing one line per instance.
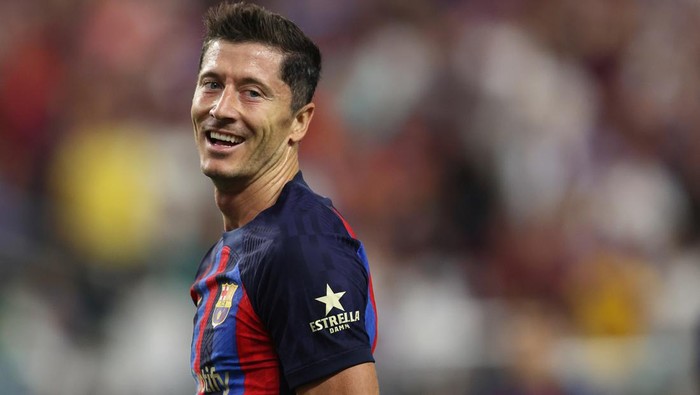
(208, 259)
(312, 231)
(301, 213)
(301, 237)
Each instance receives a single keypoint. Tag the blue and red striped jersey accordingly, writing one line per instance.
(282, 301)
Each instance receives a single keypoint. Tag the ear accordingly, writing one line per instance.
(300, 123)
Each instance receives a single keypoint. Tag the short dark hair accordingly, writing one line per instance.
(243, 22)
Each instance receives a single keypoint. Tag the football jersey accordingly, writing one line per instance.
(282, 301)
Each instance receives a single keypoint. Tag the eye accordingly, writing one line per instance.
(252, 93)
(211, 85)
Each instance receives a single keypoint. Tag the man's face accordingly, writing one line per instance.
(241, 111)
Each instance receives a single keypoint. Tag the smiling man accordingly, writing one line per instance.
(284, 299)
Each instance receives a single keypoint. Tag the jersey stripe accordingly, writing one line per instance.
(199, 295)
(212, 265)
(372, 328)
(371, 310)
(225, 341)
(212, 290)
(256, 352)
(345, 223)
(202, 273)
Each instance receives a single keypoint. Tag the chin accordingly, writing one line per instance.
(217, 173)
(220, 173)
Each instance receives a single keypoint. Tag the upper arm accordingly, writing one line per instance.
(359, 379)
(313, 298)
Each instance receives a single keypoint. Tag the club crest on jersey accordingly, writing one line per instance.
(223, 304)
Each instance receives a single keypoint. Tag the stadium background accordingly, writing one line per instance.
(525, 175)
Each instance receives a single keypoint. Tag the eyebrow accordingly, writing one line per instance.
(208, 74)
(242, 81)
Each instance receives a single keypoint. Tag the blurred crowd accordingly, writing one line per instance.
(525, 175)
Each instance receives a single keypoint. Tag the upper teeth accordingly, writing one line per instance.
(226, 137)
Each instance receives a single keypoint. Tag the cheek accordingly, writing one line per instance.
(199, 106)
(280, 124)
(194, 110)
(275, 131)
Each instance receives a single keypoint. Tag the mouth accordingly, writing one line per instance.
(219, 139)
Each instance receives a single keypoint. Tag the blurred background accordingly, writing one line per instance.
(525, 176)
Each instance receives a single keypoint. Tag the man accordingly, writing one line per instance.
(284, 299)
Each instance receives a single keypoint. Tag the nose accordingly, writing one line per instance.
(226, 107)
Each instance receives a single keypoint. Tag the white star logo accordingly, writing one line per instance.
(332, 299)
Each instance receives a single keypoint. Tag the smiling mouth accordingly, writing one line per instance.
(222, 139)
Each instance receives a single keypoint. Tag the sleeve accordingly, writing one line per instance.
(312, 296)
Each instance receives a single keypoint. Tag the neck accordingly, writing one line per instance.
(240, 202)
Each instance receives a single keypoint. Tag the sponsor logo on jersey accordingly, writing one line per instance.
(334, 323)
(223, 305)
(209, 380)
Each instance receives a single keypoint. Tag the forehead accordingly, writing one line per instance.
(242, 59)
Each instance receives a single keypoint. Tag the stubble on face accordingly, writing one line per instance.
(240, 84)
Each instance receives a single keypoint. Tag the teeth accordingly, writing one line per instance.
(226, 137)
